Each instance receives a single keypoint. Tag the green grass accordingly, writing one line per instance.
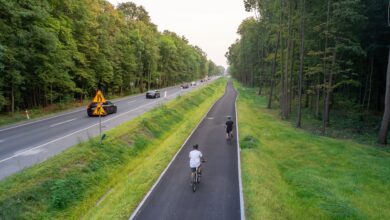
(94, 181)
(290, 173)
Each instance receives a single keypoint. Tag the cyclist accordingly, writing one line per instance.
(229, 128)
(196, 158)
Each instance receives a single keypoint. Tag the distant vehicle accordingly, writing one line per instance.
(185, 86)
(109, 108)
(153, 94)
(193, 83)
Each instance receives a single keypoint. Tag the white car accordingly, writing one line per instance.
(193, 83)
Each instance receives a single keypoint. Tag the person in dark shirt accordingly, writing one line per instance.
(229, 128)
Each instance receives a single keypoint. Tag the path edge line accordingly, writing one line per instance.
(135, 212)
(242, 207)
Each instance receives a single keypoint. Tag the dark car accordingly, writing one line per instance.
(109, 108)
(185, 86)
(153, 94)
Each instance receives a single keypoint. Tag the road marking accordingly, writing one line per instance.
(210, 118)
(170, 163)
(78, 131)
(44, 119)
(132, 101)
(242, 208)
(1, 141)
(67, 121)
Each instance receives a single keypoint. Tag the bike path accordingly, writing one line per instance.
(218, 195)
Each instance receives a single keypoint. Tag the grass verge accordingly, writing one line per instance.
(94, 181)
(290, 173)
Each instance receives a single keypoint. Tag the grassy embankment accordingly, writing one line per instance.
(93, 181)
(290, 173)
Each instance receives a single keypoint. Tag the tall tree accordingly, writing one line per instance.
(386, 114)
(302, 55)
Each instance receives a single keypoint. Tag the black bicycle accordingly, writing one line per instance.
(229, 137)
(195, 179)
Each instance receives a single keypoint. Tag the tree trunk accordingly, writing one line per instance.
(325, 120)
(285, 109)
(51, 93)
(318, 91)
(302, 51)
(363, 100)
(282, 92)
(324, 66)
(370, 84)
(12, 100)
(273, 72)
(386, 114)
(261, 57)
(291, 89)
(276, 55)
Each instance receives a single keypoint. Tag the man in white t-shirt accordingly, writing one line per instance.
(196, 159)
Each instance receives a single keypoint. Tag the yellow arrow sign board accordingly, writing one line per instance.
(99, 97)
(99, 110)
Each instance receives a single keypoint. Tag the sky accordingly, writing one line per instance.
(210, 24)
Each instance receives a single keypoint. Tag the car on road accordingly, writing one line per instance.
(193, 83)
(185, 86)
(108, 106)
(153, 94)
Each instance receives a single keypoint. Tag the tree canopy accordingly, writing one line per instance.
(56, 50)
(329, 55)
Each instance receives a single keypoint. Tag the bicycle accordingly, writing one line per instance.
(196, 178)
(229, 137)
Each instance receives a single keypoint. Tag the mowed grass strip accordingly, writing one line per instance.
(292, 174)
(107, 181)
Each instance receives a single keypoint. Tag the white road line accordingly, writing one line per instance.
(170, 163)
(242, 207)
(1, 141)
(67, 121)
(132, 101)
(78, 131)
(44, 119)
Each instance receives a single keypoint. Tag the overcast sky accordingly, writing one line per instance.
(210, 24)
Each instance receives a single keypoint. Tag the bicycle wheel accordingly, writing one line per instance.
(194, 182)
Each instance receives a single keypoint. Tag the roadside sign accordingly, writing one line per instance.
(99, 110)
(99, 97)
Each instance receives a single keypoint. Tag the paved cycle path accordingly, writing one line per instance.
(218, 195)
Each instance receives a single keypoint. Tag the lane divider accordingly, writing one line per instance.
(64, 122)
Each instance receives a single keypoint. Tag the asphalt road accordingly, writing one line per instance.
(218, 195)
(31, 142)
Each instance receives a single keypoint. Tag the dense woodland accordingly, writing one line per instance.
(324, 56)
(61, 50)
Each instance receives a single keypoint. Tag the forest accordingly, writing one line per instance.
(64, 50)
(327, 60)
